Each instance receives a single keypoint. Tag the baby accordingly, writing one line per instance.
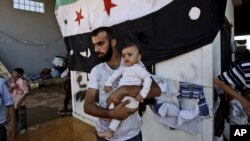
(132, 72)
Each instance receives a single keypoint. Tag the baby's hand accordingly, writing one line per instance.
(139, 98)
(107, 89)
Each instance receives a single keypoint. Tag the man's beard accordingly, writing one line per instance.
(106, 57)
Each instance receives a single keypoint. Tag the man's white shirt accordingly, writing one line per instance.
(129, 127)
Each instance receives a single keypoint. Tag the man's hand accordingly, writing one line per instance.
(107, 89)
(116, 96)
(120, 112)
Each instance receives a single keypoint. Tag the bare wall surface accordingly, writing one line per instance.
(28, 39)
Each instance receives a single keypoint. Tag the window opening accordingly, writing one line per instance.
(29, 5)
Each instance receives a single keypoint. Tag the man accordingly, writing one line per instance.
(6, 101)
(130, 129)
(236, 76)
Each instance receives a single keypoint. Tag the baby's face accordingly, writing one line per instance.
(130, 55)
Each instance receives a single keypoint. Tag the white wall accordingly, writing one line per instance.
(77, 105)
(195, 67)
(216, 55)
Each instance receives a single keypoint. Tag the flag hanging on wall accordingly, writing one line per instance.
(164, 28)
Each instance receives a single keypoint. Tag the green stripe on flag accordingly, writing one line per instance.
(63, 2)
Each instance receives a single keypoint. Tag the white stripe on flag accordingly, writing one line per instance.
(66, 17)
(96, 16)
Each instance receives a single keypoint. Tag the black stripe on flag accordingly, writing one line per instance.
(163, 34)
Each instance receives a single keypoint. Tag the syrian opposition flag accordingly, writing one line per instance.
(164, 28)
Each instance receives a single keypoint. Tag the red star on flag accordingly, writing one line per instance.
(79, 16)
(108, 5)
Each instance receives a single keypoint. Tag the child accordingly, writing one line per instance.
(19, 90)
(133, 72)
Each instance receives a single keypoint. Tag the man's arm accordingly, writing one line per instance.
(119, 112)
(11, 130)
(154, 90)
(133, 91)
(228, 90)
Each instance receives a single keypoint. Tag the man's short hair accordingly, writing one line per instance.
(108, 30)
(19, 71)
